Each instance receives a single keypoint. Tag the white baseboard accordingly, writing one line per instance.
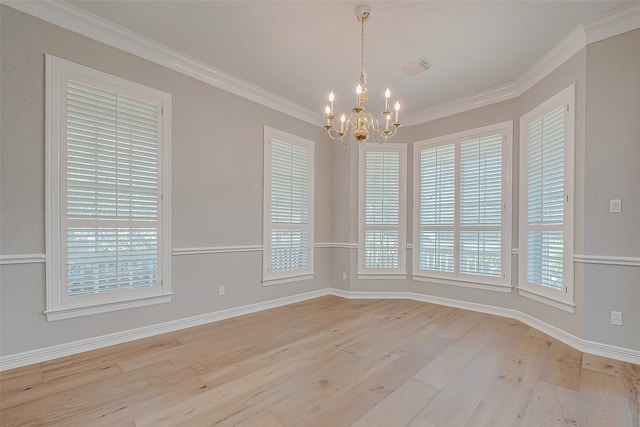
(61, 350)
(48, 353)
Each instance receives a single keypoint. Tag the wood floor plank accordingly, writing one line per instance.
(400, 407)
(330, 362)
(439, 372)
(506, 400)
(418, 421)
(563, 366)
(504, 404)
(324, 390)
(69, 403)
(360, 399)
(552, 405)
(267, 395)
(527, 361)
(264, 419)
(462, 325)
(605, 401)
(454, 405)
(604, 365)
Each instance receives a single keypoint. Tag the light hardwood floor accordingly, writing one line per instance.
(331, 362)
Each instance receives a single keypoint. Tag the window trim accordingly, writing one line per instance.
(269, 278)
(57, 306)
(401, 271)
(562, 300)
(502, 284)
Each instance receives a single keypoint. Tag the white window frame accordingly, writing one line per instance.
(381, 273)
(274, 278)
(502, 284)
(58, 304)
(560, 299)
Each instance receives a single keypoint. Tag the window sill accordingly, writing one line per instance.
(71, 312)
(475, 285)
(282, 280)
(553, 302)
(381, 276)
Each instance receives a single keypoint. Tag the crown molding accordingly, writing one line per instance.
(79, 21)
(460, 105)
(57, 12)
(561, 52)
(618, 21)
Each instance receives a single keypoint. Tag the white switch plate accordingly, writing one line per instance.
(615, 206)
(616, 318)
(344, 275)
(220, 290)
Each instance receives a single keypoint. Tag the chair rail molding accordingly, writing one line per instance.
(22, 259)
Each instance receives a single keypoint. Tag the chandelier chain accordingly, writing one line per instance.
(362, 78)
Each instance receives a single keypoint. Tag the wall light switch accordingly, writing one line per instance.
(615, 206)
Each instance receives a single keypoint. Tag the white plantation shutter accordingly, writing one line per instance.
(289, 206)
(546, 199)
(437, 208)
(112, 191)
(461, 230)
(547, 209)
(382, 235)
(481, 181)
(288, 210)
(108, 174)
(481, 206)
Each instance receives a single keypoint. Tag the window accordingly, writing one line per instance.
(382, 214)
(462, 208)
(546, 201)
(108, 201)
(288, 208)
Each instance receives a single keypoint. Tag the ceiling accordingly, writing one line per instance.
(301, 50)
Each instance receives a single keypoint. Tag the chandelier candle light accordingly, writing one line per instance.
(360, 122)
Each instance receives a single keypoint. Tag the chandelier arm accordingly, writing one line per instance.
(363, 125)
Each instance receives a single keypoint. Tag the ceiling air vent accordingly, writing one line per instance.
(416, 67)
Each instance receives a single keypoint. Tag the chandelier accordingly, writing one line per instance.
(362, 124)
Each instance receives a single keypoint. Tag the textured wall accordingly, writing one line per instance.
(612, 166)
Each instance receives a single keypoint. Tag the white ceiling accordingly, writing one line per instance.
(301, 50)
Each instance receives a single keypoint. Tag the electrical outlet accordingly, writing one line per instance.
(344, 275)
(220, 290)
(615, 206)
(616, 318)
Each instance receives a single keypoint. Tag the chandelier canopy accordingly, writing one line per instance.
(362, 124)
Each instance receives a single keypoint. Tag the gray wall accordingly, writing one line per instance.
(217, 190)
(612, 166)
